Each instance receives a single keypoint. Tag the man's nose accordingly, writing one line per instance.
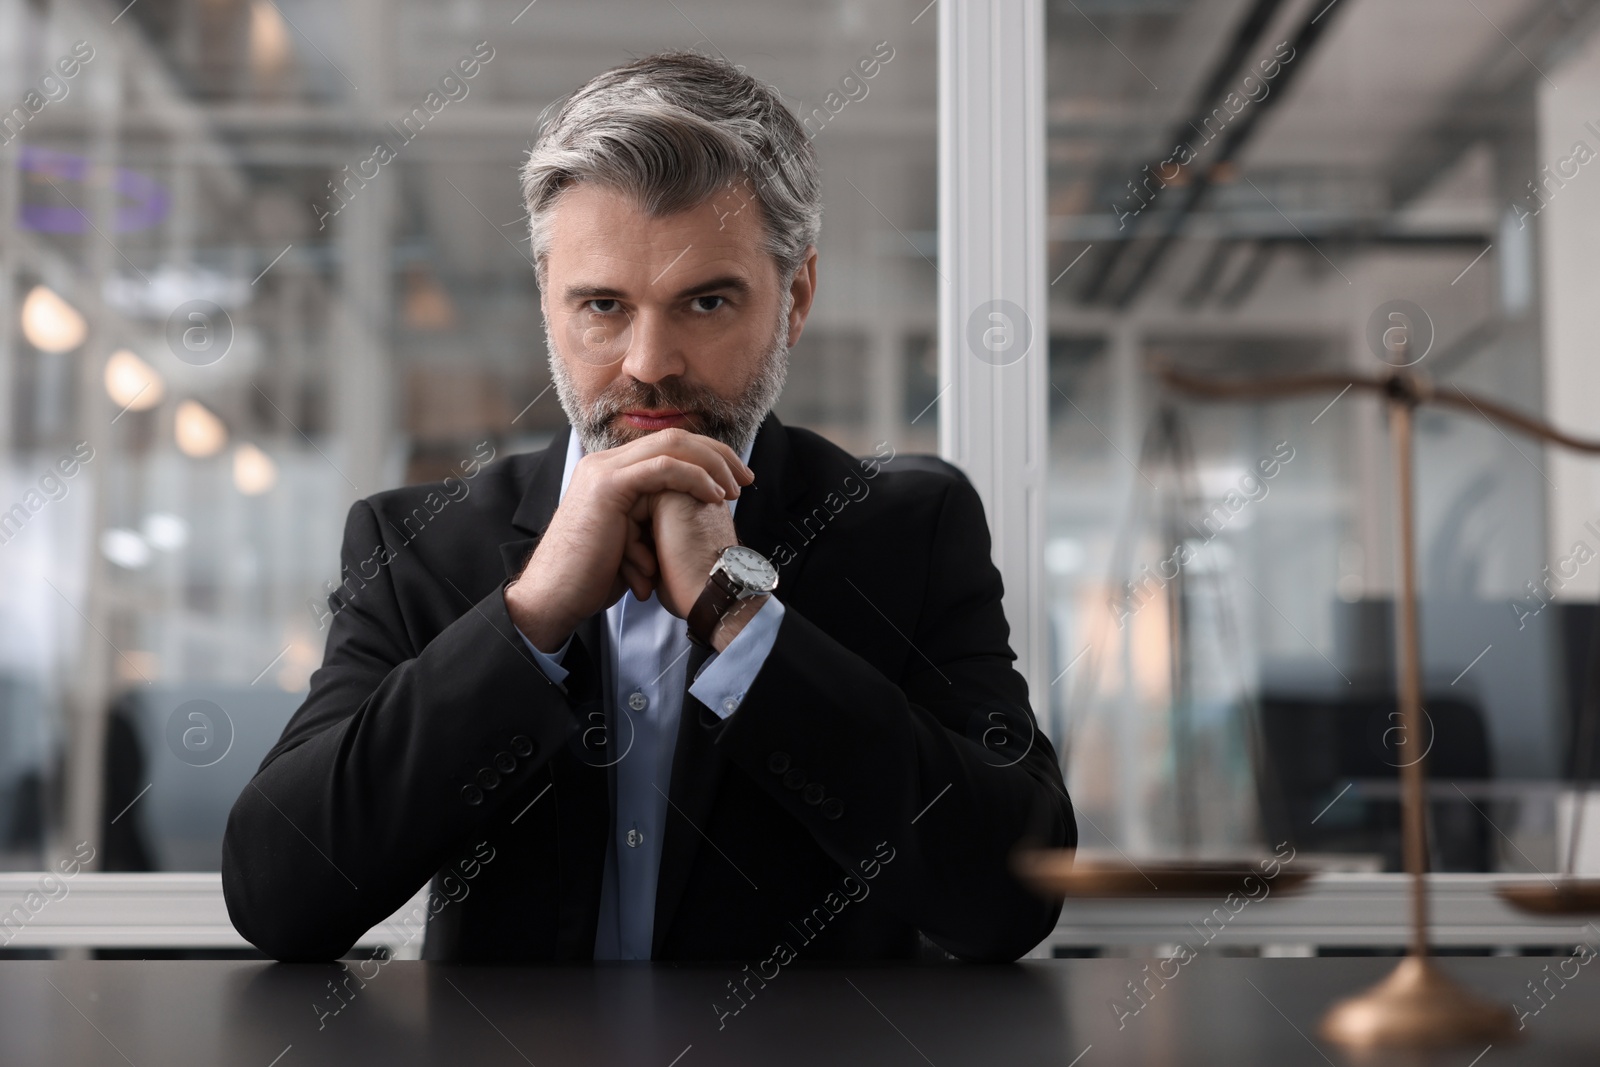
(654, 352)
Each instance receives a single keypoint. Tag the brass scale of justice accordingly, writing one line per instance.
(1417, 1005)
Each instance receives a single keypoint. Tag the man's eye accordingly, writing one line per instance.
(700, 307)
(594, 305)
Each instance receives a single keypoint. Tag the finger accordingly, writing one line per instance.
(741, 471)
(720, 461)
(664, 472)
(641, 585)
(640, 557)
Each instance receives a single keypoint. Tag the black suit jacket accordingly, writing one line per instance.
(871, 785)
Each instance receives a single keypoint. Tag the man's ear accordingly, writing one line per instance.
(804, 290)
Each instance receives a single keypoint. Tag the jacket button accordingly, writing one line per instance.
(778, 762)
(814, 794)
(522, 746)
(833, 808)
(795, 779)
(505, 762)
(472, 794)
(488, 778)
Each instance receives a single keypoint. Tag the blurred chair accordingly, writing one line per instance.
(1318, 746)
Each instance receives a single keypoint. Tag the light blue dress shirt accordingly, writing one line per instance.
(644, 668)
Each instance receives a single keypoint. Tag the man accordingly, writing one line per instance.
(540, 701)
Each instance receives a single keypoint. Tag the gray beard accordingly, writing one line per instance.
(734, 422)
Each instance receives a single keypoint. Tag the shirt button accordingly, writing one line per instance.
(730, 705)
(638, 701)
(634, 838)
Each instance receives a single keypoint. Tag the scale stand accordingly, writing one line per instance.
(1418, 1005)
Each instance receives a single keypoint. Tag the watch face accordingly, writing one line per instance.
(750, 569)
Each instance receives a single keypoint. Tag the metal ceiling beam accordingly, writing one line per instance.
(1223, 72)
(1236, 136)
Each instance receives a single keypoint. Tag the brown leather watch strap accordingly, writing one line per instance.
(715, 601)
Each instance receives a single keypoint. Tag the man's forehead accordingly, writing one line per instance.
(598, 228)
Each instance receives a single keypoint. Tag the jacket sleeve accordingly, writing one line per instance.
(947, 768)
(379, 777)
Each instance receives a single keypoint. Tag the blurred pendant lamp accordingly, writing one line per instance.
(50, 323)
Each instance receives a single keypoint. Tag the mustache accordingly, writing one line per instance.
(627, 394)
(673, 394)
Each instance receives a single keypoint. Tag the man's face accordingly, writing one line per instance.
(659, 322)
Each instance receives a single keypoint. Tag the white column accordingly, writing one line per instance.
(1569, 237)
(993, 316)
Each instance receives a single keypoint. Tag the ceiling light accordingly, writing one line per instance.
(165, 531)
(254, 472)
(124, 548)
(133, 384)
(269, 38)
(50, 323)
(199, 433)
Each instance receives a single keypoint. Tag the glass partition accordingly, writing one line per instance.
(1252, 188)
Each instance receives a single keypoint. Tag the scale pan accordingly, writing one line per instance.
(1565, 896)
(1057, 873)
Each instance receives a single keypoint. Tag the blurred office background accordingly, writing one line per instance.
(243, 362)
(343, 346)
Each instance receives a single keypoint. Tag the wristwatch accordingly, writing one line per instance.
(739, 574)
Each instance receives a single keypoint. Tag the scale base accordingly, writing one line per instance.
(1417, 1006)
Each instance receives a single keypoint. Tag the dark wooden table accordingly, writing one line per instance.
(1213, 1011)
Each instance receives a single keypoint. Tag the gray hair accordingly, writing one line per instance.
(673, 129)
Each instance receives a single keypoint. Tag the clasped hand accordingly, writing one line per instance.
(647, 516)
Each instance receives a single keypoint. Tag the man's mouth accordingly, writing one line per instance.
(655, 420)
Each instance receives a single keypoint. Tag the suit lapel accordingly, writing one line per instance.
(697, 766)
(543, 493)
(539, 499)
(579, 782)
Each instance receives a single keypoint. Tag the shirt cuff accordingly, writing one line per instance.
(726, 676)
(550, 662)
